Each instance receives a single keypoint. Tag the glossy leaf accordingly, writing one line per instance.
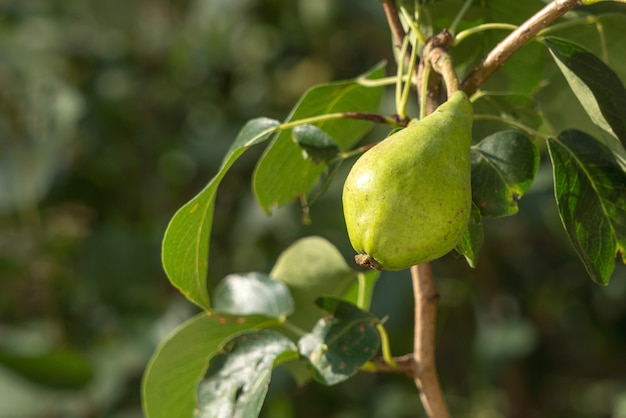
(598, 89)
(316, 144)
(252, 293)
(283, 158)
(472, 239)
(340, 343)
(237, 379)
(185, 249)
(312, 267)
(590, 190)
(503, 167)
(169, 382)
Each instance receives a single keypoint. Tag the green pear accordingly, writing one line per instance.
(407, 200)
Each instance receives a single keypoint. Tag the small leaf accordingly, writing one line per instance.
(316, 144)
(590, 191)
(597, 87)
(185, 249)
(472, 239)
(169, 381)
(312, 267)
(237, 379)
(253, 293)
(283, 173)
(503, 167)
(341, 343)
(60, 368)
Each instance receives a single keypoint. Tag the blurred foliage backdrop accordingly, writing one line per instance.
(114, 113)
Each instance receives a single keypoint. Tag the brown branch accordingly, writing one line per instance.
(393, 18)
(426, 380)
(404, 365)
(516, 39)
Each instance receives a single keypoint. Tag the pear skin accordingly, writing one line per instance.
(407, 200)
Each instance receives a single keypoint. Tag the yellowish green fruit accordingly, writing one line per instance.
(407, 200)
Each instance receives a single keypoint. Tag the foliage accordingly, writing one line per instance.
(115, 113)
(589, 190)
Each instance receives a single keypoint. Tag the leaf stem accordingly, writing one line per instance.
(459, 16)
(372, 117)
(515, 40)
(529, 130)
(360, 298)
(294, 328)
(407, 86)
(384, 344)
(461, 36)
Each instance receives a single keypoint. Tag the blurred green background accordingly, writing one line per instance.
(114, 113)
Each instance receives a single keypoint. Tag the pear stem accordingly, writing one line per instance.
(425, 377)
(442, 63)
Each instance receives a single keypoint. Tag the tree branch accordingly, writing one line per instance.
(426, 299)
(516, 39)
(393, 18)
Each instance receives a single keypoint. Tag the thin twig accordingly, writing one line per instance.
(516, 39)
(393, 18)
(426, 299)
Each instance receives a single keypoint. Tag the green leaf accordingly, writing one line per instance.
(60, 368)
(370, 277)
(590, 191)
(237, 379)
(597, 87)
(283, 173)
(312, 267)
(169, 382)
(503, 167)
(185, 249)
(340, 343)
(472, 239)
(316, 144)
(252, 293)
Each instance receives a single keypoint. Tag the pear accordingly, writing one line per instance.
(407, 200)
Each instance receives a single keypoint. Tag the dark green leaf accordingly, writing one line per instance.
(341, 343)
(590, 190)
(58, 368)
(316, 144)
(186, 243)
(169, 382)
(503, 167)
(252, 293)
(312, 267)
(283, 173)
(472, 239)
(237, 379)
(597, 87)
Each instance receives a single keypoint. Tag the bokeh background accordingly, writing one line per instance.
(114, 113)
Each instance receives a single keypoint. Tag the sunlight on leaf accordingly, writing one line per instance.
(185, 249)
(169, 382)
(283, 158)
(598, 89)
(312, 267)
(252, 293)
(237, 379)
